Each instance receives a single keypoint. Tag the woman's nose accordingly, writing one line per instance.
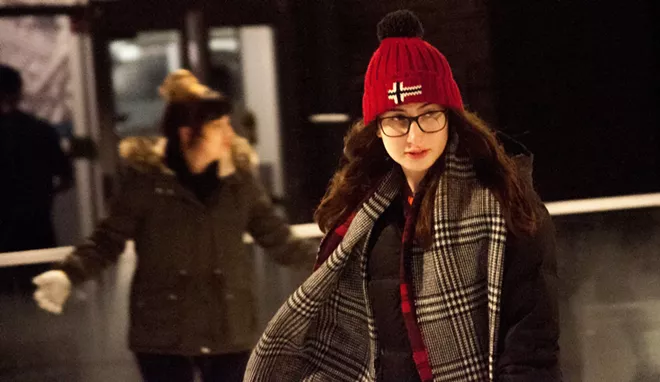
(414, 133)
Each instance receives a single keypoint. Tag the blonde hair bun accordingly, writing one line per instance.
(181, 85)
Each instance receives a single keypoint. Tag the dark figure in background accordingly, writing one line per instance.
(33, 169)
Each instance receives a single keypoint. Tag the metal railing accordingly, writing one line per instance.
(311, 230)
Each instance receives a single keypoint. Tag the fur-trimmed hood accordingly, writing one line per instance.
(146, 154)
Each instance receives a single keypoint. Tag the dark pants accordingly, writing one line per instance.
(175, 368)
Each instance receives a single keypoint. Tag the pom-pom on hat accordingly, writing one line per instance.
(406, 69)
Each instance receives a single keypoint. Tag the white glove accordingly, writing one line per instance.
(53, 289)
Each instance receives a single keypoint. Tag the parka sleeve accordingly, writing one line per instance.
(273, 234)
(108, 240)
(529, 325)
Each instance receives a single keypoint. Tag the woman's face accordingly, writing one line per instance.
(215, 140)
(416, 151)
(217, 136)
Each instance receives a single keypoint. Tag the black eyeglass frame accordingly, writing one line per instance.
(411, 120)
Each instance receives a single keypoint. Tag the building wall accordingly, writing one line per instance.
(571, 80)
(577, 83)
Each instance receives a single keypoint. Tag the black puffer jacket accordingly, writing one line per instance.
(529, 323)
(529, 327)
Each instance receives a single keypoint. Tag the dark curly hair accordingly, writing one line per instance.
(364, 163)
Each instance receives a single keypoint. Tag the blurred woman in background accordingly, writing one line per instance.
(438, 260)
(186, 201)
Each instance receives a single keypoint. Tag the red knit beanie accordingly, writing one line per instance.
(406, 69)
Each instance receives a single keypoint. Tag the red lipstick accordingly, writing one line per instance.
(417, 154)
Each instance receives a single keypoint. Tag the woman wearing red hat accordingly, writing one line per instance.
(438, 262)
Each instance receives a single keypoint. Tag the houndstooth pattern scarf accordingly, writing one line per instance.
(325, 331)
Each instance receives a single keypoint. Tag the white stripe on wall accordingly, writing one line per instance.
(311, 230)
(583, 206)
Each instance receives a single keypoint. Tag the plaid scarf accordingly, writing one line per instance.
(450, 293)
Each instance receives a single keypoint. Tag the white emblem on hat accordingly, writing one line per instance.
(398, 93)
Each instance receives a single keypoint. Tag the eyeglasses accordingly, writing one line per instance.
(399, 125)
